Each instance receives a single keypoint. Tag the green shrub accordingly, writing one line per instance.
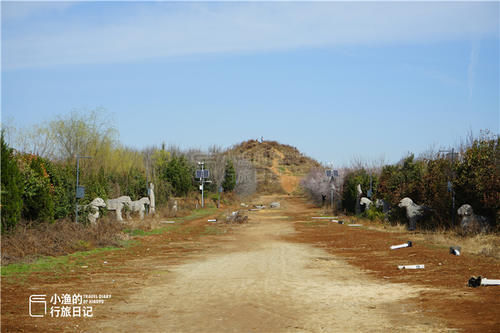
(12, 188)
(38, 201)
(230, 177)
(349, 189)
(373, 214)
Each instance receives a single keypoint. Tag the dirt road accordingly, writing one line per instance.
(280, 272)
(257, 281)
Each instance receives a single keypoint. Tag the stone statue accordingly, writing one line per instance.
(357, 208)
(118, 204)
(414, 212)
(174, 208)
(94, 209)
(138, 206)
(365, 202)
(151, 198)
(382, 204)
(472, 223)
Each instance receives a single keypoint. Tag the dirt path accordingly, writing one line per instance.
(258, 281)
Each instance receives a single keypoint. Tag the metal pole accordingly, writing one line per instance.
(452, 189)
(331, 199)
(77, 183)
(202, 183)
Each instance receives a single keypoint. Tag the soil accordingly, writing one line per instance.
(280, 272)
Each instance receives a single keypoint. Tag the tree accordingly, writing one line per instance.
(246, 177)
(38, 190)
(230, 177)
(217, 167)
(12, 188)
(179, 174)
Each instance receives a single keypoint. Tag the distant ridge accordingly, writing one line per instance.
(279, 166)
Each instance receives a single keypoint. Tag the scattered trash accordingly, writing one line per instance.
(253, 209)
(84, 266)
(212, 220)
(167, 221)
(243, 205)
(408, 244)
(259, 206)
(411, 267)
(337, 221)
(480, 281)
(105, 262)
(325, 217)
(275, 205)
(237, 217)
(456, 250)
(355, 225)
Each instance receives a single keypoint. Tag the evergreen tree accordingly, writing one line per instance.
(12, 188)
(230, 177)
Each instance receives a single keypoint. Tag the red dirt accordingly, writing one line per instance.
(129, 271)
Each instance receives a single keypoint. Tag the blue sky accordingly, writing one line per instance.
(337, 80)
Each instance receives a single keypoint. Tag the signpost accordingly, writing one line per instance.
(80, 190)
(202, 175)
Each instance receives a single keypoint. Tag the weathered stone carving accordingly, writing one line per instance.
(472, 223)
(152, 205)
(414, 212)
(365, 202)
(138, 207)
(93, 208)
(118, 205)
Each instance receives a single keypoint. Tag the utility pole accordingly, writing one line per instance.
(202, 175)
(80, 190)
(450, 182)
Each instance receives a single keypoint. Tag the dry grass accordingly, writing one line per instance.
(481, 244)
(28, 241)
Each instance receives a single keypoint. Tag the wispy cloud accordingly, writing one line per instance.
(164, 30)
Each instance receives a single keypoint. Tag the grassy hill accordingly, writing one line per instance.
(279, 167)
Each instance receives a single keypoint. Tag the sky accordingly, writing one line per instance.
(337, 80)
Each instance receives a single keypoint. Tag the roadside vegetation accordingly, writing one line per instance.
(38, 184)
(471, 176)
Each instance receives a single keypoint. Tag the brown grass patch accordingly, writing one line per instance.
(29, 241)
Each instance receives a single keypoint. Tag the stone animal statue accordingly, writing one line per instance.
(152, 205)
(118, 204)
(414, 212)
(93, 208)
(365, 203)
(138, 206)
(382, 204)
(472, 223)
(357, 208)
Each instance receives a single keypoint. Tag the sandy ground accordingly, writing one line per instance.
(258, 282)
(280, 272)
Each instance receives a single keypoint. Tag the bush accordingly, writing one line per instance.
(373, 214)
(12, 188)
(179, 173)
(478, 176)
(349, 189)
(230, 177)
(38, 202)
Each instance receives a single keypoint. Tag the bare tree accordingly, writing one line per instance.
(317, 185)
(246, 176)
(217, 167)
